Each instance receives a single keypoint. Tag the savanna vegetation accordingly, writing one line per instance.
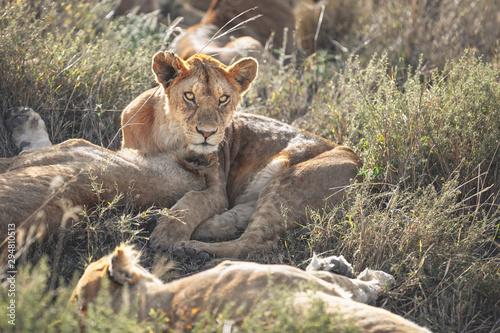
(412, 86)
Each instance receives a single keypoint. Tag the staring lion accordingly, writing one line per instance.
(184, 145)
(244, 286)
(270, 172)
(47, 187)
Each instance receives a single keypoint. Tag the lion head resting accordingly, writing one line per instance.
(241, 284)
(191, 109)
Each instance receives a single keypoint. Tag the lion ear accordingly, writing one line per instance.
(244, 72)
(121, 268)
(166, 67)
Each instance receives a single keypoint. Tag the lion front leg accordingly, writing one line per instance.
(191, 210)
(283, 204)
(194, 207)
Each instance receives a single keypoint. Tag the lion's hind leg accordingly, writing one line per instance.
(283, 203)
(226, 225)
(28, 130)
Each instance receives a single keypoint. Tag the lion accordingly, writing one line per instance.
(252, 25)
(47, 186)
(269, 173)
(184, 146)
(245, 286)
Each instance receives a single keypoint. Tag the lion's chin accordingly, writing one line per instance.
(204, 148)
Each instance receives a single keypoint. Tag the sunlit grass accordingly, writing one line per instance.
(429, 136)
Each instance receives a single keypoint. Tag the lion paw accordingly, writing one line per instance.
(190, 249)
(334, 264)
(28, 129)
(385, 279)
(157, 240)
(167, 232)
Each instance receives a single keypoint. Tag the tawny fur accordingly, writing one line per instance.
(241, 284)
(46, 189)
(270, 173)
(42, 190)
(249, 39)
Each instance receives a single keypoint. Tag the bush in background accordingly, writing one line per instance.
(422, 113)
(437, 30)
(77, 69)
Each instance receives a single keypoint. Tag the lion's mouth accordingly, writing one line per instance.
(204, 148)
(206, 145)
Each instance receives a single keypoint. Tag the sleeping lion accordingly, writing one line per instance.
(244, 286)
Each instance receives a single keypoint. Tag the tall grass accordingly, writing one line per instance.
(74, 67)
(420, 132)
(437, 30)
(427, 209)
(396, 85)
(441, 251)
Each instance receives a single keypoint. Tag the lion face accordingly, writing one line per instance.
(202, 95)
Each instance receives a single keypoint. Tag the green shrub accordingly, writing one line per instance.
(441, 251)
(435, 31)
(425, 128)
(77, 69)
(426, 211)
(35, 308)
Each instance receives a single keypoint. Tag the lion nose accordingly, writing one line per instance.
(205, 134)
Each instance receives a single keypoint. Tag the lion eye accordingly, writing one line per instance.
(223, 99)
(189, 96)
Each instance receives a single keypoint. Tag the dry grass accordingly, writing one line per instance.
(423, 114)
(436, 30)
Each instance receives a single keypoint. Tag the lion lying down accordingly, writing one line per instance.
(251, 23)
(244, 285)
(44, 189)
(266, 174)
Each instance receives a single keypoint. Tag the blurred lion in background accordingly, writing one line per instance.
(228, 29)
